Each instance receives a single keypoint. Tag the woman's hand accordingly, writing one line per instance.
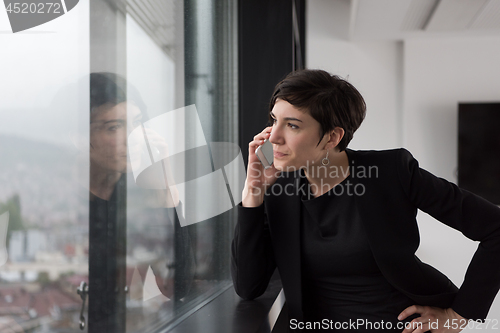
(157, 143)
(436, 320)
(159, 149)
(258, 178)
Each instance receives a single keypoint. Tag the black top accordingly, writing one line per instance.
(107, 259)
(107, 253)
(341, 280)
(268, 237)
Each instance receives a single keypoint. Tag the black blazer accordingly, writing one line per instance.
(268, 236)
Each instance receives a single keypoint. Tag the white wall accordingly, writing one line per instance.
(438, 74)
(374, 68)
(371, 69)
(412, 90)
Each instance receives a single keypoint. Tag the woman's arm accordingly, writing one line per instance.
(475, 217)
(252, 259)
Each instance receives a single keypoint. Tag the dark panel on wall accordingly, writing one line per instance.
(479, 149)
(299, 34)
(266, 55)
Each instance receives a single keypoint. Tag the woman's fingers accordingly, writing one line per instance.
(432, 319)
(156, 141)
(256, 143)
(416, 326)
(259, 139)
(411, 310)
(267, 129)
(265, 134)
(255, 168)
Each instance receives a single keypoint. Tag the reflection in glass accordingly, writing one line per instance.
(137, 266)
(44, 174)
(76, 212)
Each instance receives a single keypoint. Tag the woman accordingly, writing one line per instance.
(340, 225)
(116, 110)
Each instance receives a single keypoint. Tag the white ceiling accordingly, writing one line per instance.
(403, 19)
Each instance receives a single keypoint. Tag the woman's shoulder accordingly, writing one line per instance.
(377, 153)
(363, 157)
(386, 164)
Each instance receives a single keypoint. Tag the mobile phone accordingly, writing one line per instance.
(265, 154)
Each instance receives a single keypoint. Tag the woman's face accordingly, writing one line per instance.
(295, 136)
(109, 129)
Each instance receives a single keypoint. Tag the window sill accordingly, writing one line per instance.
(229, 313)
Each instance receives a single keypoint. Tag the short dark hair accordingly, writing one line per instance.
(329, 99)
(111, 88)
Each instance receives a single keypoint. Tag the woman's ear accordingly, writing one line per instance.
(335, 136)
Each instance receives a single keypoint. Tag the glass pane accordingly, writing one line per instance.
(119, 168)
(178, 258)
(44, 149)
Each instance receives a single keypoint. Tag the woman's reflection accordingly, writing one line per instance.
(114, 114)
(108, 145)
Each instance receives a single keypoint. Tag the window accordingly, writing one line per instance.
(88, 97)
